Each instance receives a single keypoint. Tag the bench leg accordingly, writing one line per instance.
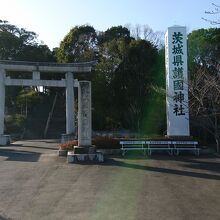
(197, 152)
(177, 152)
(170, 152)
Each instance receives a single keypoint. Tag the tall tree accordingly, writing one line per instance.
(78, 45)
(204, 59)
(19, 44)
(112, 47)
(122, 77)
(132, 80)
(204, 49)
(114, 33)
(204, 102)
(146, 33)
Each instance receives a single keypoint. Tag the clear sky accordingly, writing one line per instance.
(52, 19)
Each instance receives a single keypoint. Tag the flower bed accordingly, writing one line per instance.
(68, 145)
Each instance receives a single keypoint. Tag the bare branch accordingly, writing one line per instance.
(215, 11)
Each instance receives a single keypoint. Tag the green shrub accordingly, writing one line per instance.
(20, 120)
(15, 123)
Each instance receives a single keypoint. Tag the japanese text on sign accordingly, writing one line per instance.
(178, 69)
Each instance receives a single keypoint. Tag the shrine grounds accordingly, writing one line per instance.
(37, 184)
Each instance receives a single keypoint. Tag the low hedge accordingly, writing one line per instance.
(106, 143)
(99, 142)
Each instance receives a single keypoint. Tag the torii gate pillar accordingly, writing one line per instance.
(70, 113)
(2, 100)
(4, 139)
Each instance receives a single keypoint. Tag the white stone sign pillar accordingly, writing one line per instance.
(70, 116)
(177, 81)
(84, 114)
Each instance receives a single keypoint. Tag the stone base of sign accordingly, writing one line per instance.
(179, 137)
(67, 137)
(84, 150)
(5, 139)
(73, 157)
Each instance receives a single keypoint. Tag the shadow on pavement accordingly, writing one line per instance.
(199, 163)
(4, 218)
(48, 141)
(208, 166)
(36, 147)
(18, 155)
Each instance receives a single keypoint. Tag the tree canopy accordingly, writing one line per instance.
(204, 48)
(19, 44)
(121, 80)
(78, 45)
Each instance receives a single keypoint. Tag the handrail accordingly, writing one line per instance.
(50, 116)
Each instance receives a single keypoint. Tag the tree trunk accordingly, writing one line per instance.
(217, 140)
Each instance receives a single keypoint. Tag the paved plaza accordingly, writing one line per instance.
(37, 184)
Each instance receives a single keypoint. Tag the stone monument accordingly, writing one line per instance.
(84, 114)
(84, 151)
(177, 82)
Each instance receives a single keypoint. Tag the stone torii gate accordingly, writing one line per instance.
(36, 68)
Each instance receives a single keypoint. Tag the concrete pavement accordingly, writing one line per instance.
(36, 184)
